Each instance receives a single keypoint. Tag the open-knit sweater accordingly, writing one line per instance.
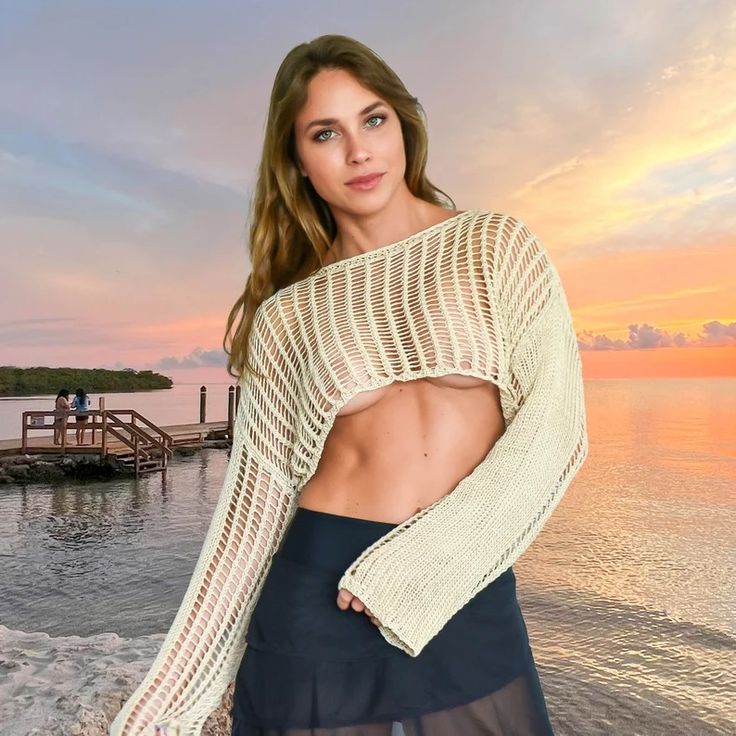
(475, 295)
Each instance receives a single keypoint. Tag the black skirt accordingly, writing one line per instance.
(311, 668)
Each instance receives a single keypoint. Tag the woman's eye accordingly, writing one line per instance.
(376, 117)
(318, 137)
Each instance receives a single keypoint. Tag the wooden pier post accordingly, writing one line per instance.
(104, 426)
(202, 404)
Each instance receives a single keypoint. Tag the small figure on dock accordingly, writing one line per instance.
(62, 406)
(80, 403)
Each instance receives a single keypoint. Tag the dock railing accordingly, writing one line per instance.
(140, 435)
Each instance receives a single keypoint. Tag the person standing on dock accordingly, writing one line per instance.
(61, 406)
(80, 403)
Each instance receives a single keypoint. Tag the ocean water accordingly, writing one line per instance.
(628, 593)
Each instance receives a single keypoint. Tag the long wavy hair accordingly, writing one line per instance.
(291, 226)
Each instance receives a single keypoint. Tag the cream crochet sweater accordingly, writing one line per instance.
(477, 295)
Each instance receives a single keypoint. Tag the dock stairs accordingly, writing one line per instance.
(132, 441)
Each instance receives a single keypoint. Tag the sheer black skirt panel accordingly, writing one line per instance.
(311, 668)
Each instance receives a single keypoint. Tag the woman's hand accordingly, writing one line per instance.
(345, 600)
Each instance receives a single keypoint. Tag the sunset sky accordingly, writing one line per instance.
(130, 135)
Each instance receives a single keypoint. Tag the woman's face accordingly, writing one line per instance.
(343, 131)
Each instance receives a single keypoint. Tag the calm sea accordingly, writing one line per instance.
(628, 592)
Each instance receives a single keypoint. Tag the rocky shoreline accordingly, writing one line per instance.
(50, 467)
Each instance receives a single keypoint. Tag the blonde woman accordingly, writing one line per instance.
(411, 411)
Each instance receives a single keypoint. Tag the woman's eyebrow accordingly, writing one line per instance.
(332, 121)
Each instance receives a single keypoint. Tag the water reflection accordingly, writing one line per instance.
(106, 547)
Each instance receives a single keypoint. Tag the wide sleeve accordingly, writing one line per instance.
(415, 578)
(202, 650)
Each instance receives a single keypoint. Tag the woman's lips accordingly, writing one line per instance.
(366, 183)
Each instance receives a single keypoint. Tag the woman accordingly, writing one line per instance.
(411, 412)
(80, 404)
(62, 408)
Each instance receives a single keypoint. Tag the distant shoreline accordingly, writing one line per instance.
(45, 381)
(44, 394)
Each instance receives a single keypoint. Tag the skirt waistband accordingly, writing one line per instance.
(329, 541)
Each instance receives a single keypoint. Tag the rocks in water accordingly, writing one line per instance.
(50, 467)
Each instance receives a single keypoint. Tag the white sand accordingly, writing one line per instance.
(71, 685)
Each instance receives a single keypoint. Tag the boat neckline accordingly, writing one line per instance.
(344, 262)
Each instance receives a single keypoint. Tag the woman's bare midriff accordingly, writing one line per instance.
(397, 449)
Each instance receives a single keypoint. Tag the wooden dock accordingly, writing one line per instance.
(182, 434)
(123, 435)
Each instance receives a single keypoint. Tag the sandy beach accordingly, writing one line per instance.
(74, 686)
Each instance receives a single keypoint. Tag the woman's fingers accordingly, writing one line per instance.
(345, 600)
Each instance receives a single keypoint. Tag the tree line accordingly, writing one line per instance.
(15, 381)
